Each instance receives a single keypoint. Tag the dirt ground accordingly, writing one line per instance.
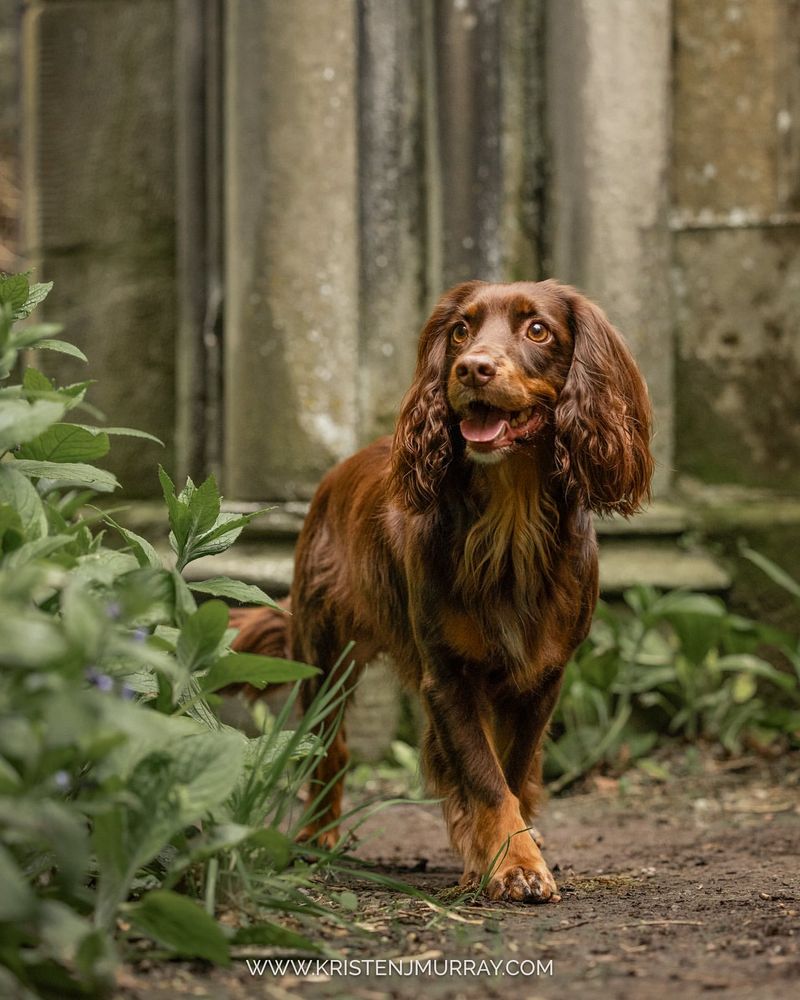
(687, 888)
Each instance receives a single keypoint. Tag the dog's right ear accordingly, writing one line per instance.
(603, 418)
(423, 447)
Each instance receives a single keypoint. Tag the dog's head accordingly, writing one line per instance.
(507, 367)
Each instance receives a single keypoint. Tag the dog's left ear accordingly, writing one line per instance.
(422, 448)
(602, 418)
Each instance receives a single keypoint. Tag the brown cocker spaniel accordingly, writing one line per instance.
(464, 548)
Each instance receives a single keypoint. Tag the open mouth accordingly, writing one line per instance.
(488, 428)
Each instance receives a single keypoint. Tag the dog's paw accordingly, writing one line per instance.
(523, 884)
(325, 840)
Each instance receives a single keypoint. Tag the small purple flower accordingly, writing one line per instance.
(140, 634)
(99, 680)
(127, 692)
(114, 610)
(62, 780)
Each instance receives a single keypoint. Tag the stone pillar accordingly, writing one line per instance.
(391, 206)
(608, 74)
(524, 141)
(736, 220)
(99, 206)
(466, 145)
(292, 264)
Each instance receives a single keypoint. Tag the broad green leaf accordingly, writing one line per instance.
(185, 604)
(202, 507)
(14, 291)
(680, 602)
(168, 789)
(755, 666)
(73, 942)
(29, 336)
(144, 732)
(37, 293)
(180, 924)
(144, 552)
(85, 620)
(51, 823)
(104, 567)
(178, 512)
(249, 668)
(66, 443)
(75, 395)
(223, 586)
(17, 900)
(61, 347)
(21, 421)
(224, 533)
(146, 596)
(204, 504)
(228, 523)
(69, 473)
(222, 540)
(202, 634)
(261, 751)
(121, 432)
(11, 525)
(34, 381)
(39, 548)
(18, 492)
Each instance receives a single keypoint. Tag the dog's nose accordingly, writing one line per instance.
(476, 370)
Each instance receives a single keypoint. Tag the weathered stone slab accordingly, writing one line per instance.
(466, 145)
(738, 370)
(291, 321)
(727, 104)
(608, 74)
(99, 206)
(391, 177)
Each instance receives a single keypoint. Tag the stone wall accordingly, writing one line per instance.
(608, 115)
(736, 220)
(376, 151)
(99, 179)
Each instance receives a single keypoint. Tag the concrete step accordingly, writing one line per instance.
(623, 563)
(269, 565)
(627, 563)
(649, 549)
(283, 520)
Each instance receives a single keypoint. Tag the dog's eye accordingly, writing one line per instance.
(459, 333)
(538, 332)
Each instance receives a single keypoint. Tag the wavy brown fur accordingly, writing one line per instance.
(473, 562)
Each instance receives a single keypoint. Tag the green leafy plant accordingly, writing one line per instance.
(127, 810)
(676, 664)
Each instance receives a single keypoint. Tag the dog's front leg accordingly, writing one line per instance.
(482, 813)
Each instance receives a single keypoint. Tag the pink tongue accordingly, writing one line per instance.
(484, 426)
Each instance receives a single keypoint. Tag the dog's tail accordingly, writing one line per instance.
(262, 630)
